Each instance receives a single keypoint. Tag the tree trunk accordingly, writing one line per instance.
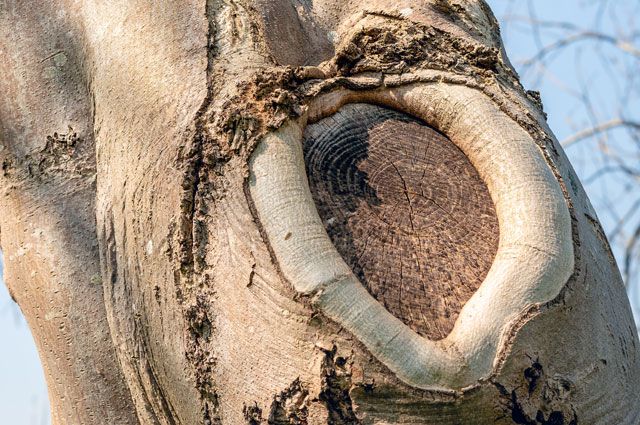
(292, 212)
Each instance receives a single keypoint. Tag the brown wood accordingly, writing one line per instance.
(406, 209)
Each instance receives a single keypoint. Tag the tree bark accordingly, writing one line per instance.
(291, 212)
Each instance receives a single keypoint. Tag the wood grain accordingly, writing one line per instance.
(406, 210)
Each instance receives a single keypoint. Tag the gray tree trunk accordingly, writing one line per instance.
(297, 212)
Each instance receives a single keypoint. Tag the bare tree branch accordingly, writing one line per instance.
(600, 128)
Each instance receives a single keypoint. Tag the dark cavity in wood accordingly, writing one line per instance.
(406, 210)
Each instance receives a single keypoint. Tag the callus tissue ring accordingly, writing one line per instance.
(533, 262)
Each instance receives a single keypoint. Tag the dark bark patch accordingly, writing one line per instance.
(448, 9)
(198, 353)
(399, 48)
(210, 415)
(540, 399)
(289, 407)
(7, 167)
(63, 154)
(336, 387)
(58, 151)
(536, 98)
(198, 319)
(532, 374)
(252, 414)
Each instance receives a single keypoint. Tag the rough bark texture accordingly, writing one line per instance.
(134, 248)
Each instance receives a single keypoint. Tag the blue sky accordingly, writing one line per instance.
(581, 68)
(23, 394)
(582, 85)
